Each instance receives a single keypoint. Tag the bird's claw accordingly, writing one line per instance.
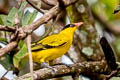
(54, 69)
(44, 64)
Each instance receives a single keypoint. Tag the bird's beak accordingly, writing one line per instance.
(78, 24)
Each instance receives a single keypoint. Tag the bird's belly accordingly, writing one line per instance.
(50, 54)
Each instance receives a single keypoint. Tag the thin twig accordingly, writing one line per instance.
(4, 74)
(34, 6)
(113, 73)
(16, 25)
(30, 55)
(20, 4)
(50, 2)
(7, 28)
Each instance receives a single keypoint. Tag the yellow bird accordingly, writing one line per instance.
(55, 45)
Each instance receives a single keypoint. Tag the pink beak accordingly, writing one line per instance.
(78, 24)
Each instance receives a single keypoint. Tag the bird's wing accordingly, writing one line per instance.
(50, 42)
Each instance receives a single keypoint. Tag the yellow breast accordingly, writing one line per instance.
(50, 54)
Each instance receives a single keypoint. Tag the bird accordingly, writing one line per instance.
(53, 46)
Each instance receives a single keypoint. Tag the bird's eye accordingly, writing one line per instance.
(67, 26)
(72, 25)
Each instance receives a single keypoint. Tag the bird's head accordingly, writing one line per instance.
(71, 27)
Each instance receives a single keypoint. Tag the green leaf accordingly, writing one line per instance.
(21, 43)
(26, 18)
(20, 11)
(6, 61)
(4, 19)
(1, 21)
(3, 40)
(19, 56)
(11, 16)
(34, 14)
(33, 17)
(29, 17)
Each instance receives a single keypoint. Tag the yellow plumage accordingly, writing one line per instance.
(53, 46)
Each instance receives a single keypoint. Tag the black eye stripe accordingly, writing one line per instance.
(68, 25)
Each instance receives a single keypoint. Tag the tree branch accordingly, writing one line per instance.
(62, 70)
(45, 18)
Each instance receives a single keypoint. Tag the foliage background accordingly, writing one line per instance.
(86, 40)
